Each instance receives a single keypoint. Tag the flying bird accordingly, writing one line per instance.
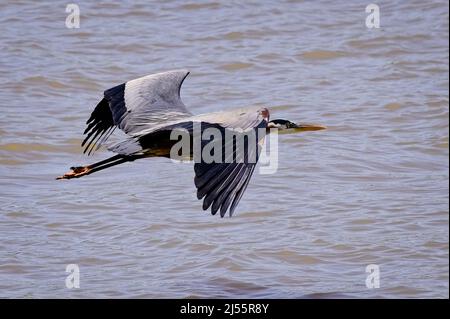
(149, 109)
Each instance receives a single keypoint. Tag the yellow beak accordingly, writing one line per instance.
(302, 127)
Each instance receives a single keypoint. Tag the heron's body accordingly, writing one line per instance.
(148, 109)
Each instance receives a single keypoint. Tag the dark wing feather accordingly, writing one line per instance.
(223, 184)
(100, 121)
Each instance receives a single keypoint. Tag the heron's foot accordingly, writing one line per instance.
(75, 172)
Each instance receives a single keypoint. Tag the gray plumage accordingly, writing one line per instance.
(147, 108)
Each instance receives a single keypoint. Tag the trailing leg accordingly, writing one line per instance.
(80, 171)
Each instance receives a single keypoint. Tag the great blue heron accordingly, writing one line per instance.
(148, 109)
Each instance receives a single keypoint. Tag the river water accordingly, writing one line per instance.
(371, 189)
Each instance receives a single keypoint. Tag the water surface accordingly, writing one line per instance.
(372, 189)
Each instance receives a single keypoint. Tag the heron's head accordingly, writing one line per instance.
(289, 127)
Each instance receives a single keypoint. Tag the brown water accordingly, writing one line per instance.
(372, 189)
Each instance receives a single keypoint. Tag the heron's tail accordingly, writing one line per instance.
(79, 171)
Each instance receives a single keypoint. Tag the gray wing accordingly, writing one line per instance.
(223, 184)
(220, 185)
(135, 106)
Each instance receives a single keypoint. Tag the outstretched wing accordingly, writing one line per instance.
(223, 183)
(135, 106)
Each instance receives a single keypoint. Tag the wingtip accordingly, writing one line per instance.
(185, 71)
